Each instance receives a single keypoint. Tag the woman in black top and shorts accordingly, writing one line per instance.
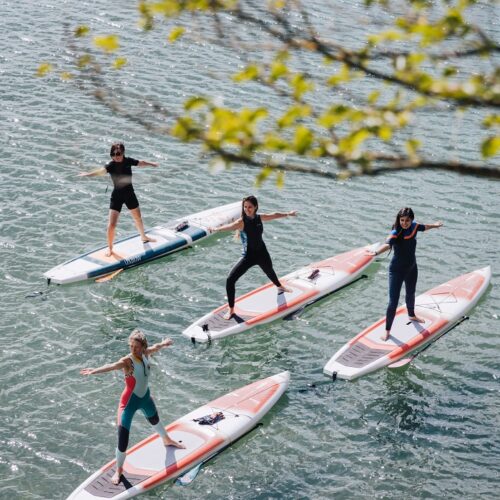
(254, 249)
(120, 169)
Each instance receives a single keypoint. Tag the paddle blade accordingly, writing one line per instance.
(401, 362)
(187, 478)
(108, 277)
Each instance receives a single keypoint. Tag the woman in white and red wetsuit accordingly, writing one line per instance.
(136, 395)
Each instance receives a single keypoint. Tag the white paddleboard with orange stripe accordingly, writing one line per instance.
(441, 308)
(130, 252)
(149, 463)
(266, 303)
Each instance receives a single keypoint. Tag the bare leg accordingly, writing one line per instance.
(117, 475)
(229, 313)
(113, 220)
(417, 319)
(170, 442)
(136, 214)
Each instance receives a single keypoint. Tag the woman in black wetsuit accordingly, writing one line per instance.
(254, 249)
(403, 267)
(120, 169)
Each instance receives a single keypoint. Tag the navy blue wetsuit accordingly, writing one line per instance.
(123, 192)
(254, 254)
(403, 269)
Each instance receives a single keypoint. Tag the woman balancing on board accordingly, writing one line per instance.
(120, 169)
(403, 267)
(254, 249)
(136, 394)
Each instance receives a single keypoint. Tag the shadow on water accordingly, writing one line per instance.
(404, 401)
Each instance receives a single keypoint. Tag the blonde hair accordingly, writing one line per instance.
(140, 337)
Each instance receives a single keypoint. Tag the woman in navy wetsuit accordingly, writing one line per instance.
(136, 395)
(254, 249)
(403, 267)
(120, 169)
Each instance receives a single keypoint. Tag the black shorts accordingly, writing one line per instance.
(123, 196)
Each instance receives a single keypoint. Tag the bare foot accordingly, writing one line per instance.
(386, 336)
(229, 314)
(117, 476)
(416, 318)
(284, 289)
(170, 442)
(148, 239)
(108, 252)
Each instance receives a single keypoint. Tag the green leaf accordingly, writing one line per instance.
(185, 129)
(293, 114)
(490, 147)
(107, 43)
(280, 179)
(194, 103)
(300, 86)
(343, 75)
(492, 121)
(302, 140)
(251, 72)
(119, 62)
(373, 97)
(278, 70)
(385, 132)
(176, 33)
(412, 146)
(334, 116)
(350, 144)
(275, 142)
(450, 71)
(263, 175)
(84, 61)
(43, 69)
(81, 31)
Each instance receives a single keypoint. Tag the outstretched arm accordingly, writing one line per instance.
(278, 215)
(433, 226)
(160, 345)
(383, 248)
(119, 365)
(236, 225)
(143, 163)
(93, 173)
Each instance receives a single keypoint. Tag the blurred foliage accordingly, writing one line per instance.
(353, 105)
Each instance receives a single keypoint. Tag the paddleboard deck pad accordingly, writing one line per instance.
(441, 308)
(204, 432)
(132, 251)
(309, 284)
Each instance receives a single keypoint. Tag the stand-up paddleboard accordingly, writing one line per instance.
(149, 463)
(130, 252)
(266, 303)
(441, 308)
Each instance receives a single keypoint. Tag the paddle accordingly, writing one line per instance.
(188, 477)
(297, 313)
(405, 361)
(108, 277)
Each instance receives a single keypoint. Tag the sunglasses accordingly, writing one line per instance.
(116, 153)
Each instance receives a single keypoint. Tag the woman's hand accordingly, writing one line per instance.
(86, 371)
(166, 342)
(292, 213)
